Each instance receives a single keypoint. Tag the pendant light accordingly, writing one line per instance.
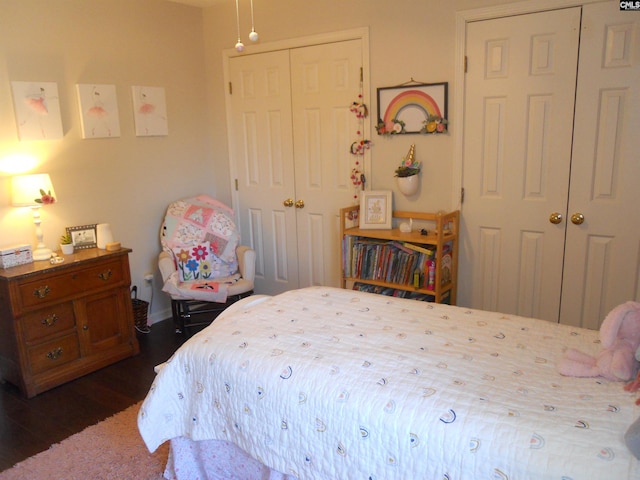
(253, 36)
(239, 45)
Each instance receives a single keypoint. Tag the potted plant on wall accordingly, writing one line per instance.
(406, 175)
(66, 245)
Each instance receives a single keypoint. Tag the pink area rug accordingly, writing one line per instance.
(111, 449)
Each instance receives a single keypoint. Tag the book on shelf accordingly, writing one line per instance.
(418, 248)
(400, 246)
(393, 292)
(446, 268)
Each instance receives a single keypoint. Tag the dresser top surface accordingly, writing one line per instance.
(40, 266)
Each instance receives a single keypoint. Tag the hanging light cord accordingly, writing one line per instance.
(252, 29)
(238, 20)
(253, 36)
(239, 45)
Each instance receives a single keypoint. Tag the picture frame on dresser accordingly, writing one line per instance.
(83, 236)
(375, 209)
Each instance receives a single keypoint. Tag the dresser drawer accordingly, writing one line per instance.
(102, 275)
(48, 321)
(53, 353)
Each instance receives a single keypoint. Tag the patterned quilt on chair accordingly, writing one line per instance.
(201, 235)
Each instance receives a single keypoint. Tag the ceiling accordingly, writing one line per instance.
(198, 3)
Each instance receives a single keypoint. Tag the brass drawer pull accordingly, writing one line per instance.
(55, 353)
(50, 321)
(105, 275)
(42, 291)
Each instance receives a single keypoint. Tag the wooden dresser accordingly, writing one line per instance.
(59, 322)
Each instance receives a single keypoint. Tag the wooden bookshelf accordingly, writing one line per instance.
(398, 263)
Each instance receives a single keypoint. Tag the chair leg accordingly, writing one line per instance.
(183, 314)
(176, 313)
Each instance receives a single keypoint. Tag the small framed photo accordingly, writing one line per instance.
(375, 210)
(83, 236)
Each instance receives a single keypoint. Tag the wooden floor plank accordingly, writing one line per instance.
(29, 426)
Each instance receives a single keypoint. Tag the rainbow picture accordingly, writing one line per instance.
(410, 107)
(411, 99)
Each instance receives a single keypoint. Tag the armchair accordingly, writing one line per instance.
(204, 269)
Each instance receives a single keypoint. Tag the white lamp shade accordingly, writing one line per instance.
(25, 189)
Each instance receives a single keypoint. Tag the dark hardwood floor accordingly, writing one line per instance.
(29, 426)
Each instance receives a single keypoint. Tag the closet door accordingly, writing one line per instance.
(602, 259)
(261, 144)
(325, 81)
(576, 270)
(291, 131)
(519, 96)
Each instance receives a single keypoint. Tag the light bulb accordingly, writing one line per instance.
(239, 46)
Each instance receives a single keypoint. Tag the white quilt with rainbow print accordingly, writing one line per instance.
(324, 383)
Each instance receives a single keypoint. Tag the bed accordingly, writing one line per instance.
(325, 383)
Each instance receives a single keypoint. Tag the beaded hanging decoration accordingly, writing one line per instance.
(360, 146)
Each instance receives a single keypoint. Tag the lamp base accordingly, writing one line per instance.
(42, 254)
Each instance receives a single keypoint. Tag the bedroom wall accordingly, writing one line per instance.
(125, 181)
(128, 181)
(408, 39)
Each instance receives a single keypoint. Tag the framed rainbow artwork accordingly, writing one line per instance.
(412, 108)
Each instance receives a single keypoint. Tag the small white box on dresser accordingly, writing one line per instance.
(15, 255)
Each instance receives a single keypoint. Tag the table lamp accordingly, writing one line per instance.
(34, 191)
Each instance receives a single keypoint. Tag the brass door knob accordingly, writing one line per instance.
(300, 204)
(577, 219)
(555, 218)
(288, 202)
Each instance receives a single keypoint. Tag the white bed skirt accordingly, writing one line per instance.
(215, 460)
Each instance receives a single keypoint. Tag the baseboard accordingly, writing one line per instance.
(159, 316)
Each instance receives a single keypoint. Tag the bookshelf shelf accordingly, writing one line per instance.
(409, 264)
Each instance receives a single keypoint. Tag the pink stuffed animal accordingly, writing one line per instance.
(620, 338)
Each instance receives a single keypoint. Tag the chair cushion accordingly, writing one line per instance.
(214, 290)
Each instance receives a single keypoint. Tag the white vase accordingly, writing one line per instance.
(408, 185)
(67, 248)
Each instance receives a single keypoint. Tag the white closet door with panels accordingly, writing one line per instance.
(602, 254)
(290, 136)
(261, 140)
(550, 223)
(325, 81)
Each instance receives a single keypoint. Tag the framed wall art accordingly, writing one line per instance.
(414, 108)
(375, 210)
(98, 111)
(83, 236)
(37, 109)
(150, 111)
